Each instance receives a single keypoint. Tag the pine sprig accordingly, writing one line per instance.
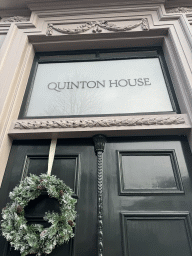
(35, 239)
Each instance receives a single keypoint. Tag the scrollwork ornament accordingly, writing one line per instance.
(145, 24)
(98, 27)
(15, 19)
(50, 29)
(179, 10)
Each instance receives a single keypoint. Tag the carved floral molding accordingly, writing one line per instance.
(179, 10)
(98, 27)
(131, 121)
(15, 19)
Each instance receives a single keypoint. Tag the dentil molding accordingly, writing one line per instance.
(15, 19)
(91, 123)
(179, 10)
(97, 27)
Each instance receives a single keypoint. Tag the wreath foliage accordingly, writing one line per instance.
(34, 238)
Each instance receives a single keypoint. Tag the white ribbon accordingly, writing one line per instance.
(51, 155)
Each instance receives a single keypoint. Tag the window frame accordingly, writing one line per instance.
(99, 55)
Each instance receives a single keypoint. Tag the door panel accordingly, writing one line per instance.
(147, 197)
(146, 172)
(75, 164)
(165, 233)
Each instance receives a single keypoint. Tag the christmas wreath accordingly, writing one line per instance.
(34, 238)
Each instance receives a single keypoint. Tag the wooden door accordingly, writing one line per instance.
(147, 197)
(75, 164)
(147, 194)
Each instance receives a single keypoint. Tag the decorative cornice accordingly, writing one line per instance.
(179, 10)
(97, 27)
(81, 123)
(15, 19)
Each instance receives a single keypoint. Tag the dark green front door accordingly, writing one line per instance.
(75, 163)
(147, 197)
(147, 194)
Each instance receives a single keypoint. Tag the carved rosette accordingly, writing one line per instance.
(97, 27)
(83, 123)
(179, 10)
(15, 19)
(99, 143)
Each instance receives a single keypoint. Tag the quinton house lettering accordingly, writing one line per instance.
(59, 86)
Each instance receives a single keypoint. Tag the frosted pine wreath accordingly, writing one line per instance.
(35, 239)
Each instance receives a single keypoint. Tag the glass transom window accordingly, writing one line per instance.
(98, 87)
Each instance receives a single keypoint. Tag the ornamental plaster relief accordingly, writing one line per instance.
(98, 27)
(180, 10)
(91, 123)
(15, 19)
(109, 126)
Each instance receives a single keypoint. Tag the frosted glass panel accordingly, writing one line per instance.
(99, 87)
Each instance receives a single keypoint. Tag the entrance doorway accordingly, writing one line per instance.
(147, 193)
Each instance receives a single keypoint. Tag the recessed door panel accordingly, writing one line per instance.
(145, 171)
(65, 167)
(147, 197)
(149, 234)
